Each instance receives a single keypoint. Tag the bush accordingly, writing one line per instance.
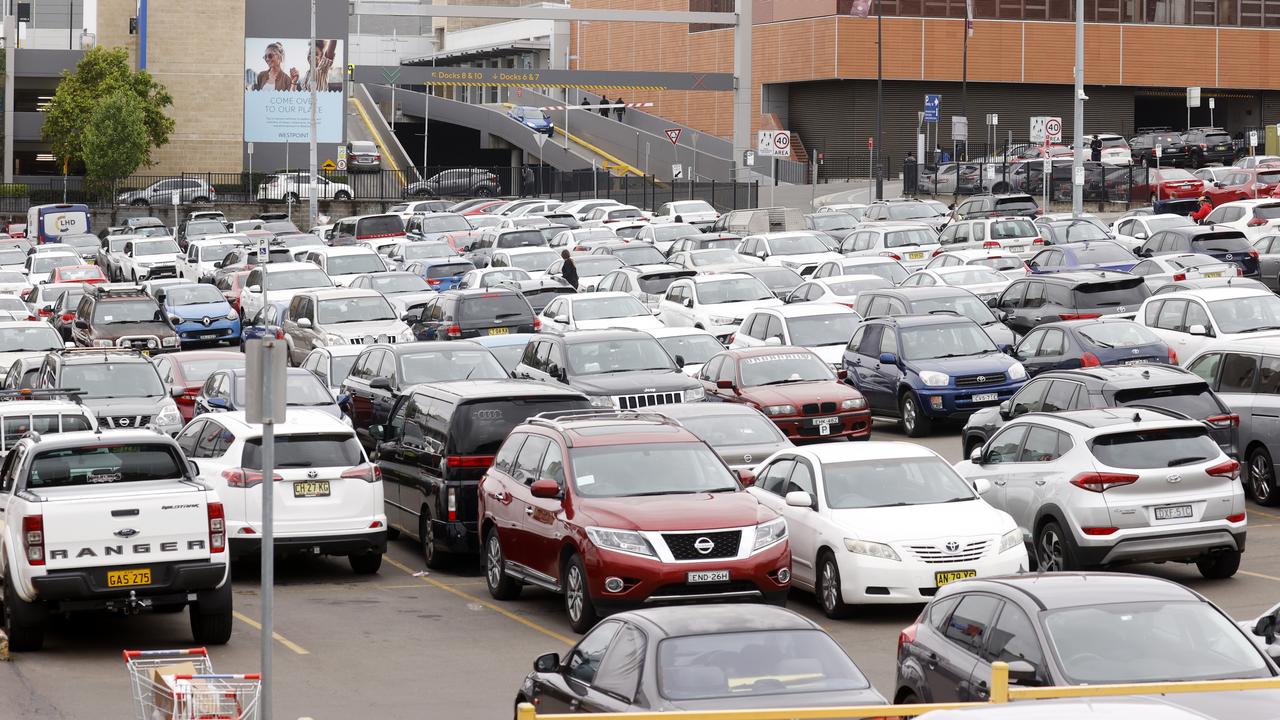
(13, 190)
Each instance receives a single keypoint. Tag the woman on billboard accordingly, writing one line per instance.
(275, 77)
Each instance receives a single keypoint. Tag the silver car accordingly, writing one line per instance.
(340, 316)
(740, 435)
(189, 190)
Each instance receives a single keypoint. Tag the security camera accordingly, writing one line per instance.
(1083, 96)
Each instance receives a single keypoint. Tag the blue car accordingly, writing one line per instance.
(923, 369)
(1091, 343)
(200, 314)
(267, 323)
(532, 118)
(441, 273)
(1094, 255)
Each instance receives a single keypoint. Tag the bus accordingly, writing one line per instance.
(48, 223)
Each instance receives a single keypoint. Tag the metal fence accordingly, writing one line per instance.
(1124, 184)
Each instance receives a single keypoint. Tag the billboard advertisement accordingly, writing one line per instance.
(278, 78)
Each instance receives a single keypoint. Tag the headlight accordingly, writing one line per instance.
(232, 315)
(145, 264)
(103, 343)
(772, 410)
(153, 344)
(933, 378)
(1011, 540)
(168, 342)
(768, 533)
(601, 401)
(722, 320)
(627, 541)
(871, 549)
(169, 415)
(332, 339)
(1017, 372)
(408, 336)
(695, 394)
(853, 404)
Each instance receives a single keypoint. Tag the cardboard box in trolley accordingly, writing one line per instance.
(162, 678)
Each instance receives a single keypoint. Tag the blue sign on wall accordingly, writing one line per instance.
(931, 105)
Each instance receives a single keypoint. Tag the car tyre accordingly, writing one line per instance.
(830, 589)
(501, 586)
(484, 191)
(914, 422)
(365, 563)
(23, 621)
(140, 203)
(434, 558)
(908, 698)
(1219, 565)
(211, 616)
(1262, 477)
(577, 596)
(342, 195)
(1055, 550)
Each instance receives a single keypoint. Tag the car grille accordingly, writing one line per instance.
(162, 271)
(683, 546)
(138, 342)
(979, 380)
(633, 402)
(369, 339)
(825, 408)
(125, 421)
(966, 552)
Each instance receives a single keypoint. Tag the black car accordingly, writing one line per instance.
(990, 206)
(891, 302)
(1173, 150)
(1208, 145)
(1168, 388)
(1077, 295)
(698, 658)
(1060, 629)
(1072, 344)
(190, 230)
(781, 281)
(624, 369)
(1220, 243)
(473, 312)
(381, 373)
(437, 443)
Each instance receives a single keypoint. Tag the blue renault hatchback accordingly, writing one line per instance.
(922, 369)
(441, 273)
(200, 314)
(1091, 343)
(1094, 255)
(532, 118)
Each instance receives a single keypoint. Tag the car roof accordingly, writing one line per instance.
(763, 350)
(873, 450)
(339, 350)
(328, 251)
(9, 324)
(922, 293)
(1135, 417)
(808, 309)
(286, 267)
(83, 438)
(1058, 590)
(1082, 276)
(1225, 293)
(1089, 708)
(299, 421)
(668, 331)
(682, 620)
(493, 341)
(580, 336)
(340, 292)
(107, 355)
(424, 346)
(489, 389)
(1130, 375)
(939, 318)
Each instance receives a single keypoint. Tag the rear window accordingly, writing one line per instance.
(1162, 448)
(1195, 400)
(494, 307)
(1221, 242)
(449, 269)
(658, 284)
(1104, 252)
(1126, 292)
(1118, 335)
(480, 427)
(379, 225)
(105, 464)
(1007, 229)
(1217, 138)
(301, 451)
(522, 238)
(1016, 203)
(1267, 212)
(16, 426)
(539, 299)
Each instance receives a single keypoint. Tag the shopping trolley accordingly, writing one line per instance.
(196, 695)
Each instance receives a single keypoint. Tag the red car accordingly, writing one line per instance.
(90, 274)
(187, 371)
(620, 509)
(1242, 184)
(795, 388)
(1175, 184)
(483, 208)
(230, 284)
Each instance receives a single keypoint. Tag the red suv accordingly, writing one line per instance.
(616, 510)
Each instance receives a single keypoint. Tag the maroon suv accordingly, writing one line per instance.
(617, 510)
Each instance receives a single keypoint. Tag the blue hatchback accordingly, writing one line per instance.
(200, 314)
(1091, 343)
(441, 273)
(1095, 255)
(532, 118)
(926, 368)
(1217, 241)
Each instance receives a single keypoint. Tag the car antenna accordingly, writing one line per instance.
(1137, 417)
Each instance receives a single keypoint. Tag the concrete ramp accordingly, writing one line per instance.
(366, 122)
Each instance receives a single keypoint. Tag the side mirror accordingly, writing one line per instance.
(1033, 264)
(747, 478)
(1006, 409)
(254, 288)
(409, 318)
(688, 302)
(888, 359)
(193, 468)
(175, 320)
(47, 308)
(657, 312)
(1198, 330)
(1022, 672)
(1001, 315)
(562, 319)
(975, 457)
(547, 663)
(217, 402)
(775, 340)
(724, 384)
(175, 391)
(799, 499)
(380, 383)
(304, 322)
(1140, 235)
(993, 301)
(680, 361)
(982, 486)
(82, 324)
(378, 433)
(1265, 627)
(545, 488)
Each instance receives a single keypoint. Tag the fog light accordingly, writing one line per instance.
(784, 576)
(613, 584)
(935, 401)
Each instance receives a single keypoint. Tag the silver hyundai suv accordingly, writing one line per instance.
(1113, 486)
(190, 190)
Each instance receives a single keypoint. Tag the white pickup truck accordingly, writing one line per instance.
(109, 521)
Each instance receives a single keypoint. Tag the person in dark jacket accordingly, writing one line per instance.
(618, 110)
(604, 110)
(526, 181)
(1095, 149)
(569, 271)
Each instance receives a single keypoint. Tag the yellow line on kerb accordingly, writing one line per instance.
(375, 135)
(275, 635)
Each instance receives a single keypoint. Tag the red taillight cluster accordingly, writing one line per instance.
(892, 255)
(245, 478)
(468, 461)
(188, 396)
(937, 252)
(1102, 481)
(453, 331)
(991, 245)
(1253, 254)
(217, 528)
(33, 538)
(1038, 241)
(434, 281)
(367, 472)
(1088, 359)
(1179, 277)
(1173, 356)
(1229, 469)
(1224, 421)
(907, 635)
(1257, 222)
(1079, 316)
(1238, 517)
(537, 324)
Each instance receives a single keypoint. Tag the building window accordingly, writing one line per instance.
(725, 6)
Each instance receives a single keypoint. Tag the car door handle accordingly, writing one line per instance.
(528, 510)
(499, 496)
(1040, 482)
(931, 659)
(1001, 483)
(1036, 319)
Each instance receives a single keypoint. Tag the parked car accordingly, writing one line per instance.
(715, 303)
(1073, 344)
(227, 391)
(1209, 145)
(189, 190)
(909, 243)
(1164, 269)
(295, 186)
(1254, 218)
(464, 182)
(1096, 255)
(935, 301)
(199, 313)
(1040, 299)
(363, 156)
(474, 312)
(616, 368)
(1190, 320)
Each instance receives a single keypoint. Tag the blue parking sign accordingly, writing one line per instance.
(931, 105)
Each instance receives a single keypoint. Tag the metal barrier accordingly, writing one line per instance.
(1001, 692)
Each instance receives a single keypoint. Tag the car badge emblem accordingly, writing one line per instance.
(648, 390)
(1173, 478)
(1121, 309)
(746, 458)
(952, 546)
(704, 545)
(981, 378)
(1135, 351)
(312, 474)
(125, 533)
(1227, 256)
(206, 320)
(123, 422)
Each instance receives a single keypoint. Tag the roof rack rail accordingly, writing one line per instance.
(553, 418)
(115, 350)
(115, 289)
(76, 395)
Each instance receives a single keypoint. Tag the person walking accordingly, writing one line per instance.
(1095, 149)
(909, 176)
(1202, 212)
(604, 106)
(526, 181)
(618, 110)
(569, 271)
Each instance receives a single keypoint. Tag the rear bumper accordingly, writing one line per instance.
(91, 584)
(1176, 547)
(315, 544)
(461, 537)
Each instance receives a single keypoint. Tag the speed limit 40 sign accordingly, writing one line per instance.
(773, 143)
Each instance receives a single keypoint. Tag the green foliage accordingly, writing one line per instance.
(115, 140)
(101, 74)
(13, 190)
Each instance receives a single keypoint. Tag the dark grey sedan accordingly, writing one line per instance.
(703, 657)
(740, 435)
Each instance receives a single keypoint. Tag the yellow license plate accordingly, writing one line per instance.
(499, 331)
(915, 256)
(311, 488)
(942, 578)
(126, 578)
(1209, 275)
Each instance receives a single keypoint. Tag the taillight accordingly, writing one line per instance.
(244, 478)
(729, 340)
(1098, 530)
(1238, 517)
(1256, 222)
(1038, 241)
(537, 324)
(1090, 360)
(45, 313)
(1203, 146)
(891, 255)
(1253, 254)
(937, 252)
(1079, 316)
(1179, 277)
(1228, 469)
(1102, 481)
(990, 245)
(67, 317)
(1224, 421)
(1173, 356)
(367, 472)
(1239, 271)
(33, 538)
(906, 635)
(453, 331)
(217, 528)
(451, 501)
(468, 461)
(434, 281)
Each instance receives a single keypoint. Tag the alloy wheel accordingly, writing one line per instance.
(909, 416)
(573, 593)
(1261, 477)
(493, 566)
(829, 586)
(1049, 553)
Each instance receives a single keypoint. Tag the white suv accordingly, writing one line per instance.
(1188, 321)
(823, 328)
(204, 255)
(1009, 234)
(715, 303)
(328, 495)
(1115, 486)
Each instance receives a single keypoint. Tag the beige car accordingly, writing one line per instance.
(330, 317)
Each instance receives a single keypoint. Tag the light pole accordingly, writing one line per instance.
(1077, 157)
(313, 201)
(10, 42)
(879, 175)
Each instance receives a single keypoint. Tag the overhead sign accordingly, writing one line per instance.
(773, 143)
(1046, 129)
(1193, 97)
(959, 128)
(595, 80)
(391, 75)
(931, 105)
(677, 172)
(673, 134)
(277, 97)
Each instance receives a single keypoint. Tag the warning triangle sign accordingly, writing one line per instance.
(673, 134)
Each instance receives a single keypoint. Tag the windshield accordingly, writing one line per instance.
(820, 330)
(397, 283)
(639, 254)
(30, 339)
(428, 250)
(616, 356)
(716, 257)
(784, 368)
(1118, 335)
(301, 389)
(1010, 229)
(720, 431)
(441, 365)
(1247, 314)
(1175, 175)
(155, 247)
(888, 483)
(296, 279)
(912, 211)
(907, 238)
(113, 380)
(152, 231)
(127, 311)
(667, 233)
(509, 355)
(853, 287)
(889, 270)
(1149, 642)
(1078, 231)
(622, 214)
(45, 263)
(354, 309)
(717, 243)
(112, 464)
(930, 342)
(964, 305)
(444, 223)
(354, 264)
(197, 371)
(1227, 242)
(593, 265)
(608, 308)
(205, 227)
(219, 251)
(731, 290)
(795, 245)
(777, 279)
(974, 276)
(623, 470)
(1103, 252)
(12, 276)
(533, 262)
(701, 666)
(194, 295)
(695, 349)
(12, 303)
(80, 272)
(12, 257)
(81, 242)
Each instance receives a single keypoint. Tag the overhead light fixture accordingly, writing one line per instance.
(44, 157)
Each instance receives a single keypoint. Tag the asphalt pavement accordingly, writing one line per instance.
(404, 644)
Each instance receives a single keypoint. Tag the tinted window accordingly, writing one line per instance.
(1059, 396)
(495, 307)
(1238, 373)
(1006, 445)
(1041, 445)
(1147, 449)
(1129, 292)
(586, 658)
(530, 458)
(105, 464)
(1269, 377)
(619, 674)
(380, 225)
(1206, 366)
(1028, 399)
(1220, 243)
(969, 623)
(1194, 400)
(301, 451)
(479, 427)
(1013, 638)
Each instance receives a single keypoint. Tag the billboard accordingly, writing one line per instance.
(278, 78)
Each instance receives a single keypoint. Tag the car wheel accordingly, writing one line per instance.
(501, 586)
(342, 195)
(430, 553)
(1219, 565)
(366, 563)
(1262, 477)
(1054, 551)
(908, 698)
(914, 422)
(211, 616)
(577, 596)
(23, 621)
(484, 191)
(829, 588)
(201, 200)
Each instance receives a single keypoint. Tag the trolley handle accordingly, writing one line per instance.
(130, 654)
(251, 676)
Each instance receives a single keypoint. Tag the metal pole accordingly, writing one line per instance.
(10, 42)
(875, 169)
(742, 112)
(313, 201)
(71, 16)
(1077, 157)
(268, 547)
(964, 99)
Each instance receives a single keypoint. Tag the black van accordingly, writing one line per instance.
(437, 445)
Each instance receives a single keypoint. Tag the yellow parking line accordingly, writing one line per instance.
(1273, 516)
(484, 603)
(374, 134)
(1259, 575)
(277, 636)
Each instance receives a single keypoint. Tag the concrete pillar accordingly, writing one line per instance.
(559, 59)
(744, 86)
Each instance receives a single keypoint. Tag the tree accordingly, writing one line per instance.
(115, 140)
(101, 74)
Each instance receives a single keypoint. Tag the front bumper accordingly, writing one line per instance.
(869, 580)
(649, 581)
(850, 424)
(339, 544)
(88, 587)
(196, 331)
(950, 403)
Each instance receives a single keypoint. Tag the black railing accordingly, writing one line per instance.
(1124, 184)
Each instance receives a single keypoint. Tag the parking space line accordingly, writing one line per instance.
(1259, 575)
(482, 602)
(1273, 516)
(275, 635)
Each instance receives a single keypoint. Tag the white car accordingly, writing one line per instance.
(883, 523)
(25, 338)
(611, 215)
(663, 235)
(328, 495)
(591, 270)
(597, 311)
(1016, 235)
(715, 303)
(579, 208)
(694, 212)
(278, 282)
(403, 252)
(910, 243)
(647, 283)
(343, 264)
(570, 239)
(822, 328)
(984, 282)
(13, 258)
(332, 364)
(1134, 230)
(715, 260)
(799, 251)
(532, 260)
(13, 282)
(1253, 161)
(1189, 320)
(841, 289)
(40, 266)
(148, 258)
(340, 316)
(1164, 269)
(492, 277)
(297, 186)
(1254, 218)
(205, 255)
(1115, 149)
(1006, 263)
(690, 347)
(887, 268)
(857, 210)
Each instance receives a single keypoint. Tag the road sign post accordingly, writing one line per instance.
(677, 172)
(673, 134)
